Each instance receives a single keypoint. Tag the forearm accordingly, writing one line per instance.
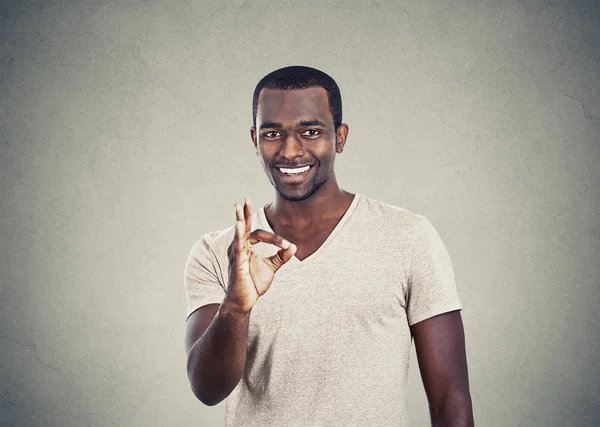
(216, 361)
(455, 411)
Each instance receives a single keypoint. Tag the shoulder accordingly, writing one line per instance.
(214, 242)
(385, 216)
(217, 241)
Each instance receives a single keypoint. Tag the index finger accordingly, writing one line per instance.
(265, 236)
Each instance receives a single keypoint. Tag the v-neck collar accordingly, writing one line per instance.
(295, 261)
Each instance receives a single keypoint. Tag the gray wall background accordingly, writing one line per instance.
(125, 137)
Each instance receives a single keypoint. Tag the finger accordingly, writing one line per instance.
(248, 215)
(281, 257)
(239, 214)
(265, 236)
(240, 227)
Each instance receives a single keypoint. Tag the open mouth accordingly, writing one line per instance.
(294, 174)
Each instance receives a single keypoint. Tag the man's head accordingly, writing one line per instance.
(297, 131)
(299, 77)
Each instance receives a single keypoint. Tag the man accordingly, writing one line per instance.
(306, 319)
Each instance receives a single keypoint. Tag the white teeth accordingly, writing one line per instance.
(294, 171)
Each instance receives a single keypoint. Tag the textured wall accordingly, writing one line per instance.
(124, 136)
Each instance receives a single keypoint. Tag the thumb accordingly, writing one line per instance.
(281, 257)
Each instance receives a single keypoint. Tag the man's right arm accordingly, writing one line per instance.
(216, 339)
(217, 334)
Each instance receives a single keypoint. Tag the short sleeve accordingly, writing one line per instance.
(431, 286)
(201, 277)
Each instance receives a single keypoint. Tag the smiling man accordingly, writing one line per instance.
(303, 313)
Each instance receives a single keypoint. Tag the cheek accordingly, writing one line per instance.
(265, 159)
(327, 154)
(264, 152)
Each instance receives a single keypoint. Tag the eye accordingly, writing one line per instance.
(271, 134)
(311, 133)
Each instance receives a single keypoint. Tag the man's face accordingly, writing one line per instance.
(294, 129)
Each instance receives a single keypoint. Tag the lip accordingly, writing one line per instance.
(292, 166)
(297, 178)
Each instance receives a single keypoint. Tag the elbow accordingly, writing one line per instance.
(208, 400)
(203, 395)
(199, 387)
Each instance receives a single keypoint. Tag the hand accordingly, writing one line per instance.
(250, 276)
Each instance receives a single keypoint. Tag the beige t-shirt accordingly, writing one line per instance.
(329, 341)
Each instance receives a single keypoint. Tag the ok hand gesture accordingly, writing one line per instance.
(250, 276)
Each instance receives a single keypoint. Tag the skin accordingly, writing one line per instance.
(295, 127)
(217, 335)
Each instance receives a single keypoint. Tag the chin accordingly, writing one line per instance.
(301, 194)
(295, 197)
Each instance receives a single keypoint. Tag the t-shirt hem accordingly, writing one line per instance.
(436, 311)
(202, 303)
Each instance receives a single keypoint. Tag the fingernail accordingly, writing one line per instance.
(285, 244)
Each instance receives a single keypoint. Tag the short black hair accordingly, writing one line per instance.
(300, 77)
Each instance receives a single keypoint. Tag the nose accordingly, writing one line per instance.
(291, 148)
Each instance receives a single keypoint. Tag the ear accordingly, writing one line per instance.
(253, 137)
(341, 136)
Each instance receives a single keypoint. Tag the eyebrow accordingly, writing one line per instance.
(265, 125)
(312, 123)
(303, 123)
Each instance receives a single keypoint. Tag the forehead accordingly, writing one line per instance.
(276, 105)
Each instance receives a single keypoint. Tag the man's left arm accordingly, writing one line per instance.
(440, 345)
